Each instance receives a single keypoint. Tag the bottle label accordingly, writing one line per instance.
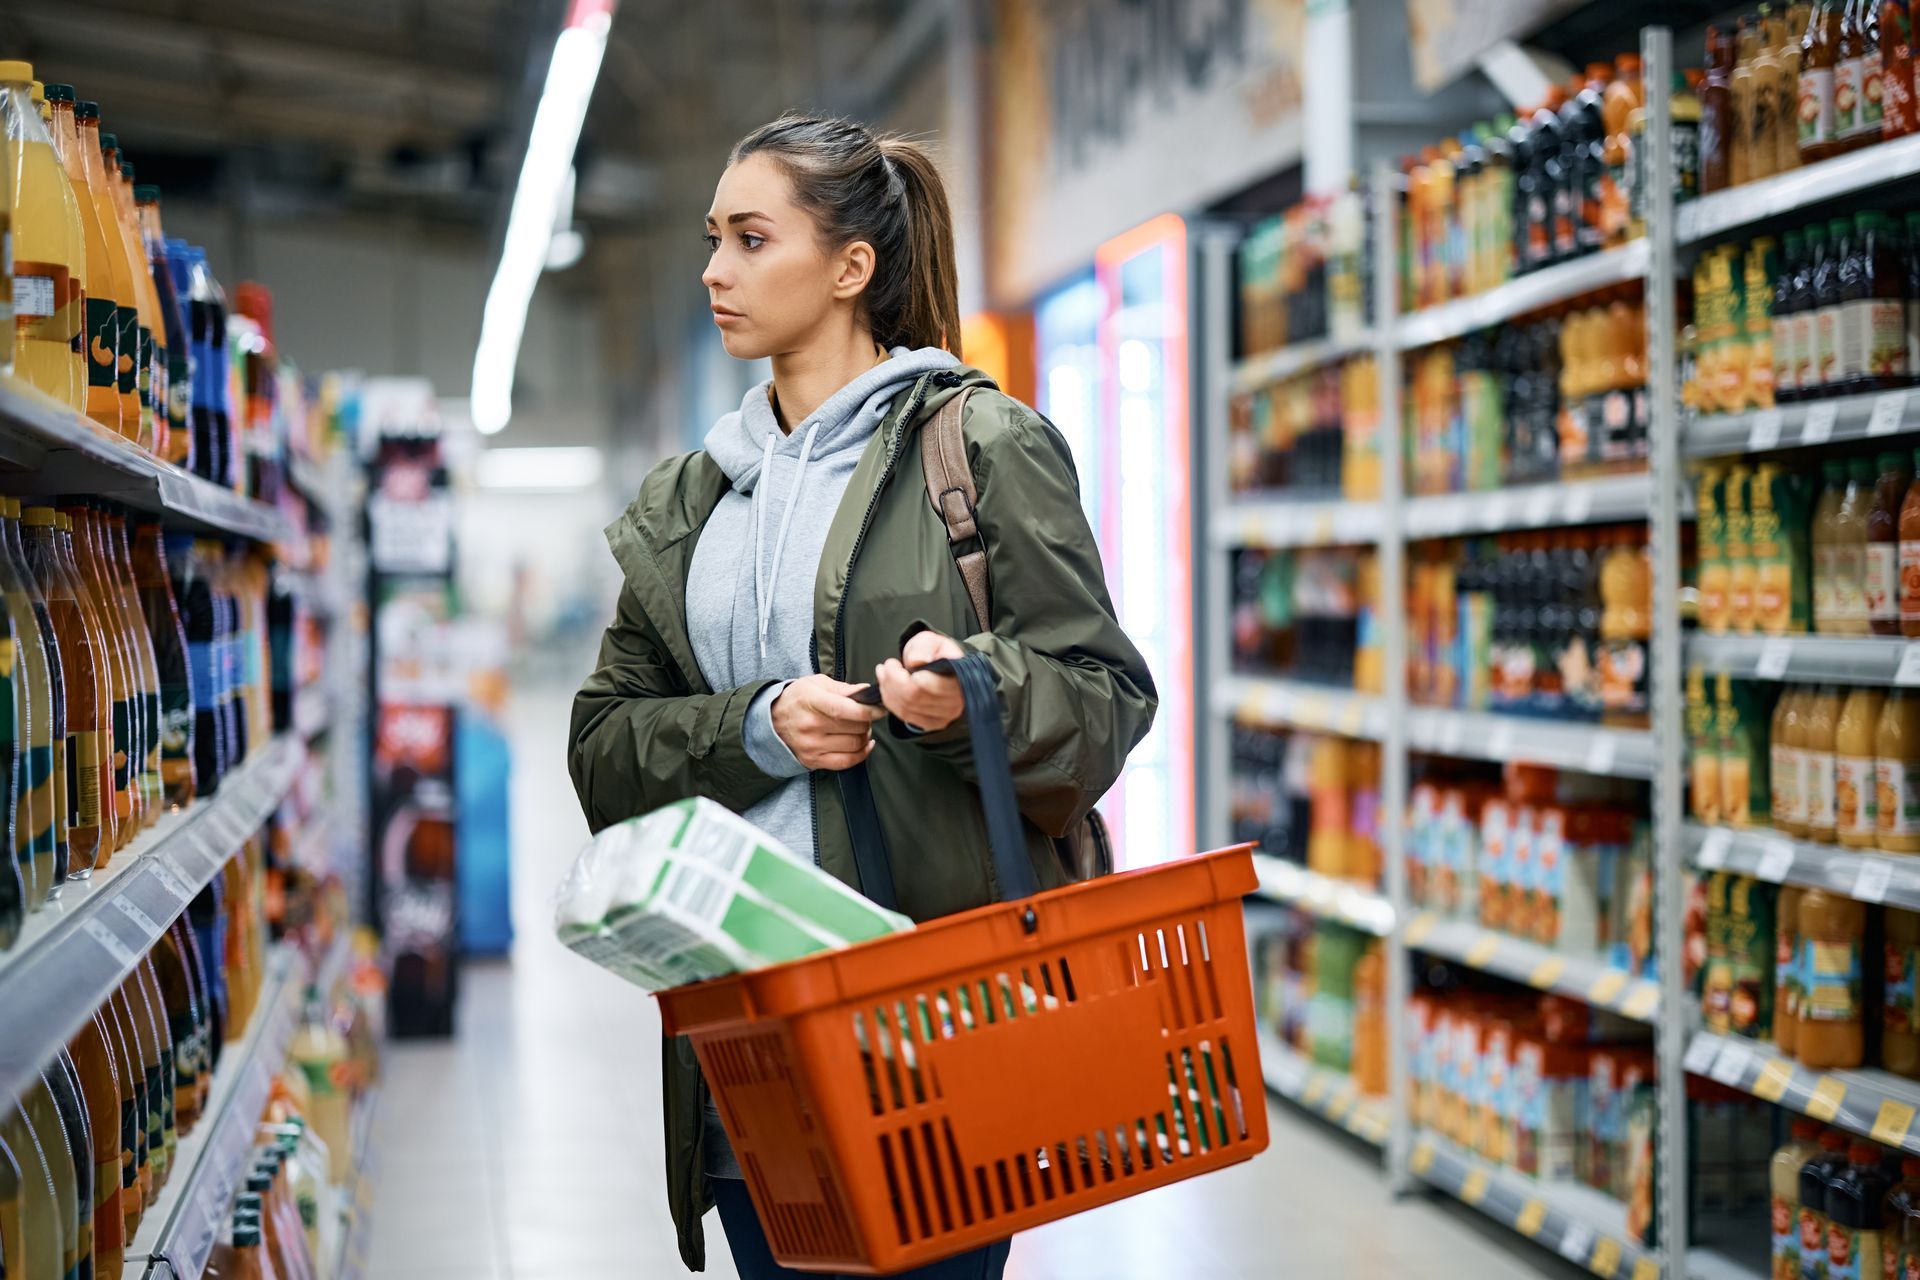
(176, 721)
(1816, 106)
(1784, 370)
(1846, 97)
(1849, 582)
(1883, 581)
(202, 664)
(1789, 807)
(1898, 1002)
(1854, 791)
(1813, 1244)
(1817, 786)
(1686, 160)
(127, 326)
(1852, 1253)
(1871, 79)
(1840, 359)
(1885, 338)
(1786, 1245)
(85, 748)
(1910, 581)
(1833, 981)
(1897, 798)
(103, 342)
(1806, 368)
(38, 288)
(1825, 598)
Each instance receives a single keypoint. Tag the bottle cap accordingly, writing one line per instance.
(1890, 462)
(37, 517)
(246, 1234)
(63, 522)
(246, 1202)
(15, 72)
(126, 170)
(39, 93)
(59, 93)
(1840, 227)
(111, 142)
(146, 193)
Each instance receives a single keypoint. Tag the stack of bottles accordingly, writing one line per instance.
(1310, 799)
(1830, 309)
(1785, 964)
(1315, 433)
(1562, 397)
(1512, 196)
(1842, 1205)
(119, 323)
(142, 678)
(1322, 987)
(1304, 274)
(1555, 858)
(1541, 1084)
(1554, 624)
(89, 1146)
(1310, 614)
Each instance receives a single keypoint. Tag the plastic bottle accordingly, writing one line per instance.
(1832, 360)
(1883, 544)
(1783, 1179)
(1876, 315)
(81, 683)
(1782, 776)
(1623, 97)
(1805, 315)
(1584, 121)
(1826, 509)
(1764, 114)
(111, 284)
(129, 729)
(1817, 781)
(1899, 116)
(1902, 1232)
(1819, 69)
(111, 837)
(1856, 820)
(162, 614)
(47, 246)
(194, 591)
(98, 1079)
(1789, 26)
(1900, 1028)
(1741, 90)
(1786, 970)
(156, 1012)
(1909, 530)
(173, 317)
(42, 1223)
(1855, 1198)
(1850, 550)
(111, 527)
(133, 1108)
(43, 1117)
(1545, 137)
(138, 285)
(64, 1084)
(1719, 124)
(1864, 127)
(1897, 773)
(1780, 321)
(1831, 1025)
(92, 538)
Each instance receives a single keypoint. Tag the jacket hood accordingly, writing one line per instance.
(738, 441)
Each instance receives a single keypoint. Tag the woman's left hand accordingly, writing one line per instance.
(922, 700)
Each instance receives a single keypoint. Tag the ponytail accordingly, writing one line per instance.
(885, 190)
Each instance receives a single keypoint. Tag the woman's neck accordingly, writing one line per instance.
(802, 380)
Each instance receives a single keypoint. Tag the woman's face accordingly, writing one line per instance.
(773, 286)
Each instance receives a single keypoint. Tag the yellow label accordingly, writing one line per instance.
(1314, 711)
(1606, 1256)
(1774, 1077)
(1341, 1104)
(1607, 986)
(1547, 972)
(1316, 1089)
(1482, 950)
(1646, 1269)
(87, 751)
(1890, 1126)
(1419, 927)
(1641, 1001)
(1532, 1215)
(1474, 1189)
(1422, 1159)
(1826, 1099)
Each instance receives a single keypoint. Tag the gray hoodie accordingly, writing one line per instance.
(750, 591)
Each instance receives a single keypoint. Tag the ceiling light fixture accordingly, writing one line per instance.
(544, 469)
(544, 179)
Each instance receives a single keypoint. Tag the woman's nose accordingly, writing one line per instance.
(713, 277)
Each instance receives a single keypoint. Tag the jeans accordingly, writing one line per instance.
(754, 1259)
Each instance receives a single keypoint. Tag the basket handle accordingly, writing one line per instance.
(994, 770)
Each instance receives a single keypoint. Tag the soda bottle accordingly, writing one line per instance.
(41, 781)
(43, 1117)
(1717, 117)
(128, 746)
(43, 222)
(71, 1108)
(111, 837)
(233, 652)
(163, 1037)
(13, 887)
(207, 324)
(113, 335)
(113, 526)
(99, 1081)
(79, 662)
(120, 243)
(199, 618)
(152, 329)
(174, 323)
(170, 651)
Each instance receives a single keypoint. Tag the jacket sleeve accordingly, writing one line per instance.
(640, 740)
(1075, 694)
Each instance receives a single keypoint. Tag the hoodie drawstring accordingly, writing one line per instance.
(763, 589)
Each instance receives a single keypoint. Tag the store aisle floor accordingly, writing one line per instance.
(529, 1147)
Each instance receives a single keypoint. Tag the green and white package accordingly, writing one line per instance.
(693, 891)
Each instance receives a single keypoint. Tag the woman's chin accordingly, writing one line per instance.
(742, 346)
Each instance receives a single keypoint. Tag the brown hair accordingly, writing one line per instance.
(883, 189)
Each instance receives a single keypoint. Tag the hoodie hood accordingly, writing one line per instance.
(738, 441)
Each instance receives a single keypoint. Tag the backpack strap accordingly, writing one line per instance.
(950, 488)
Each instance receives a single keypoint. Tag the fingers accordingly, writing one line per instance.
(928, 646)
(832, 701)
(840, 761)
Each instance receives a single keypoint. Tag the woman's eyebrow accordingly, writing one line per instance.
(747, 216)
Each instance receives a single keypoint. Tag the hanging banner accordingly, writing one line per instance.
(1448, 36)
(1105, 113)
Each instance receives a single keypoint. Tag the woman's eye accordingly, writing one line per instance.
(713, 242)
(752, 241)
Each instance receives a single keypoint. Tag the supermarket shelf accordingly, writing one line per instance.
(1519, 296)
(1587, 748)
(1323, 896)
(74, 952)
(1713, 1262)
(1276, 366)
(1577, 1222)
(1868, 875)
(1598, 501)
(1853, 659)
(1277, 522)
(1542, 968)
(1329, 1094)
(1875, 1104)
(309, 479)
(59, 451)
(1814, 184)
(181, 1226)
(1266, 700)
(1840, 420)
(312, 712)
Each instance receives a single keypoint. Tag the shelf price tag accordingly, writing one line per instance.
(1771, 1085)
(1607, 987)
(1827, 1096)
(1606, 1256)
(1421, 1160)
(1323, 526)
(1500, 742)
(1775, 861)
(1888, 412)
(1577, 1243)
(1341, 1104)
(1775, 654)
(1766, 430)
(1644, 999)
(1601, 753)
(109, 942)
(1547, 972)
(147, 925)
(1731, 1063)
(1419, 927)
(1713, 849)
(1908, 671)
(1352, 716)
(1316, 1089)
(1533, 1215)
(1819, 424)
(1700, 1054)
(1539, 507)
(1481, 952)
(1579, 504)
(1871, 884)
(1890, 1125)
(170, 879)
(1646, 1269)
(1473, 1189)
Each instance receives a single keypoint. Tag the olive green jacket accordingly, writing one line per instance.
(1075, 693)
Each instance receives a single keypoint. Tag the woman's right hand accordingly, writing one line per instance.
(822, 725)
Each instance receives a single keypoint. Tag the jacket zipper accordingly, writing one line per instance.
(943, 378)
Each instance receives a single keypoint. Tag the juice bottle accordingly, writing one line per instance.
(113, 532)
(133, 1109)
(1783, 776)
(67, 327)
(43, 1117)
(1712, 577)
(1780, 321)
(1789, 26)
(1902, 1239)
(1850, 549)
(1870, 113)
(1718, 116)
(143, 1041)
(1830, 351)
(173, 319)
(1909, 531)
(122, 684)
(1778, 514)
(1819, 69)
(1856, 821)
(1625, 621)
(135, 260)
(1763, 121)
(1883, 544)
(207, 323)
(162, 614)
(1897, 773)
(149, 988)
(1817, 780)
(91, 544)
(187, 944)
(33, 716)
(194, 591)
(1742, 573)
(1786, 970)
(109, 284)
(1847, 86)
(1741, 90)
(1899, 117)
(1855, 1196)
(80, 769)
(1878, 318)
(184, 1025)
(1762, 268)
(57, 695)
(98, 1076)
(64, 1083)
(46, 245)
(1831, 1028)
(1805, 319)
(111, 837)
(43, 1222)
(1623, 97)
(1703, 751)
(1900, 1028)
(1584, 121)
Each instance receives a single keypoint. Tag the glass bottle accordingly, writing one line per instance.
(113, 532)
(90, 537)
(1819, 67)
(111, 837)
(135, 261)
(99, 1079)
(173, 319)
(183, 1025)
(1718, 126)
(114, 282)
(46, 738)
(163, 1041)
(41, 1226)
(170, 652)
(13, 885)
(50, 1135)
(78, 661)
(71, 1106)
(120, 674)
(135, 1179)
(1883, 544)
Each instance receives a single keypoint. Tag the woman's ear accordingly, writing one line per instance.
(853, 270)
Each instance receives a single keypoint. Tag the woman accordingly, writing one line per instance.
(772, 576)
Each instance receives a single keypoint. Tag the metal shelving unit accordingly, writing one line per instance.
(1839, 420)
(1269, 700)
(1864, 874)
(1326, 1093)
(1602, 500)
(1585, 748)
(1520, 296)
(1254, 521)
(1862, 660)
(1323, 896)
(1874, 1104)
(1540, 967)
(1278, 365)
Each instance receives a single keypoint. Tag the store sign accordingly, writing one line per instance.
(1448, 36)
(1108, 112)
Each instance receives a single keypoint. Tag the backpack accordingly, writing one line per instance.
(1086, 851)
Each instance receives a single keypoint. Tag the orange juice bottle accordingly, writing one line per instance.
(1817, 779)
(1328, 792)
(47, 249)
(1789, 763)
(1743, 575)
(140, 282)
(1896, 749)
(1623, 97)
(1853, 758)
(1832, 1028)
(1370, 1021)
(112, 287)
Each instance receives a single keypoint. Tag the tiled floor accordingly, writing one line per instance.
(529, 1148)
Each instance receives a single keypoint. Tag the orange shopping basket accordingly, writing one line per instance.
(924, 1094)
